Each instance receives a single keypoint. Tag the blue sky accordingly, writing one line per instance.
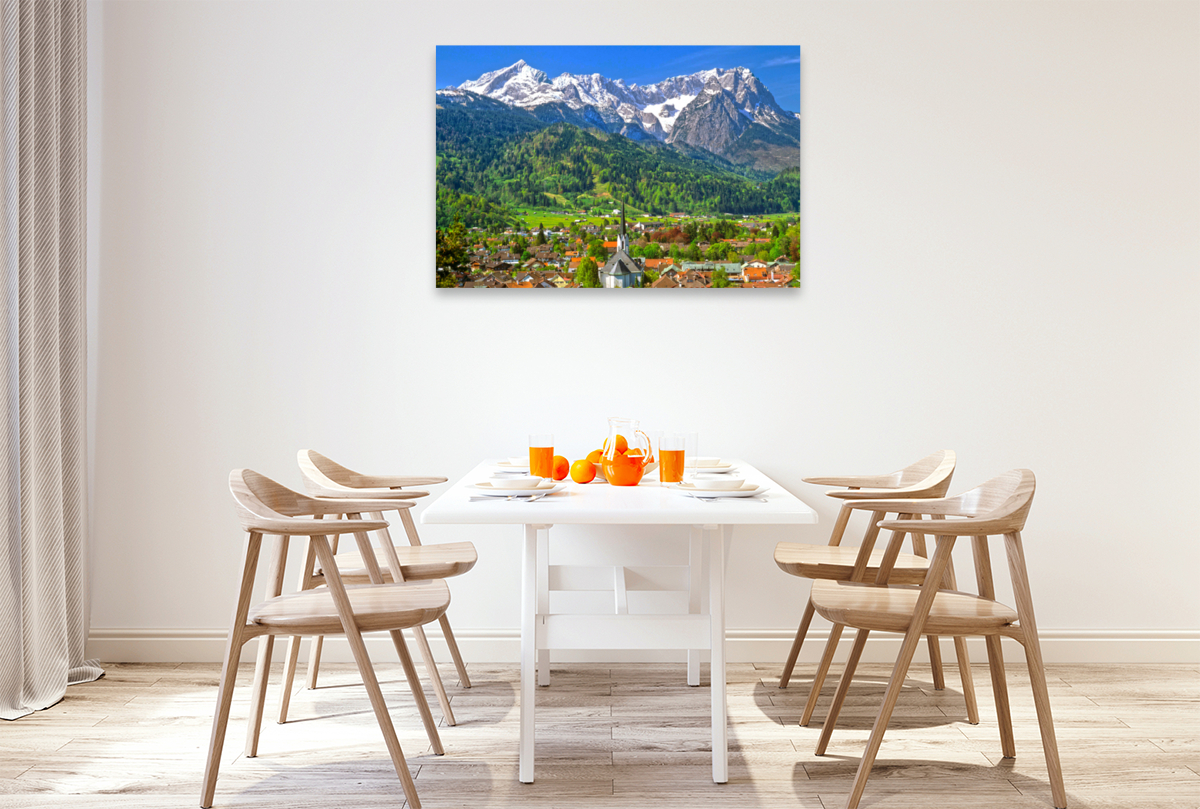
(778, 67)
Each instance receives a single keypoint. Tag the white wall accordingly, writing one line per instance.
(1000, 256)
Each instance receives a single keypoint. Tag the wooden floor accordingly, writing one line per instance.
(610, 736)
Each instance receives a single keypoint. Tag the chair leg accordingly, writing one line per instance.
(434, 676)
(964, 658)
(367, 671)
(1037, 669)
(1041, 701)
(258, 694)
(464, 679)
(968, 682)
(912, 638)
(262, 666)
(293, 650)
(314, 661)
(835, 634)
(895, 685)
(414, 684)
(835, 539)
(935, 662)
(233, 651)
(289, 676)
(987, 589)
(935, 647)
(220, 722)
(839, 697)
(1008, 742)
(790, 663)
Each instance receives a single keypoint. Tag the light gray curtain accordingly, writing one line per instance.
(43, 496)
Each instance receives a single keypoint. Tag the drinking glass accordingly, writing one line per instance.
(671, 456)
(691, 453)
(541, 455)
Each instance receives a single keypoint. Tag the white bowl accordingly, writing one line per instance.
(519, 461)
(700, 463)
(519, 482)
(722, 483)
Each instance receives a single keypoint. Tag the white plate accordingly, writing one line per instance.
(509, 466)
(714, 483)
(498, 489)
(709, 470)
(715, 465)
(747, 490)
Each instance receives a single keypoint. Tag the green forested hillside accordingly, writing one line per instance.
(490, 160)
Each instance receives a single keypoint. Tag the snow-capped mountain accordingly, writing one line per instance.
(711, 109)
(521, 85)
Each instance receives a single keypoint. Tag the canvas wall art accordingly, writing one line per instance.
(614, 167)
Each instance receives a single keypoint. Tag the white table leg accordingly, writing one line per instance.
(543, 599)
(529, 602)
(695, 565)
(716, 609)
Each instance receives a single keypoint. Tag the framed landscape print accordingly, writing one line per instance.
(566, 167)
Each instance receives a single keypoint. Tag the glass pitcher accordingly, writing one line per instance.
(628, 453)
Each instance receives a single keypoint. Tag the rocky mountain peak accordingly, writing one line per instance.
(709, 109)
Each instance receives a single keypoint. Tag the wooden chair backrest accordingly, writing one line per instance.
(931, 472)
(928, 477)
(999, 506)
(329, 473)
(1003, 501)
(260, 500)
(266, 507)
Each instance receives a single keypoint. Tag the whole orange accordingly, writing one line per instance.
(583, 471)
(595, 455)
(622, 445)
(560, 466)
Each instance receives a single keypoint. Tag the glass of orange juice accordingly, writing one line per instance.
(671, 447)
(541, 455)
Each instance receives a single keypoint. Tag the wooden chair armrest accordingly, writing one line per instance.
(371, 494)
(855, 481)
(348, 505)
(914, 505)
(308, 528)
(949, 528)
(879, 494)
(398, 481)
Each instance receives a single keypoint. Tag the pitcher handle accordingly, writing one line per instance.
(649, 446)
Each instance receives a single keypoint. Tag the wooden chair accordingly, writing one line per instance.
(928, 477)
(406, 563)
(998, 507)
(264, 507)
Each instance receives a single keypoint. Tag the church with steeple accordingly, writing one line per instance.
(621, 270)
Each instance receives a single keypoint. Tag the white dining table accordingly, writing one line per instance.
(649, 503)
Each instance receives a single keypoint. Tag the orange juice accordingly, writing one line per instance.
(624, 470)
(670, 465)
(541, 461)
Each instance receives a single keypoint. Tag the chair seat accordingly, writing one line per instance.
(376, 607)
(417, 562)
(889, 608)
(837, 563)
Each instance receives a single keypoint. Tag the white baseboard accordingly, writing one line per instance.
(742, 646)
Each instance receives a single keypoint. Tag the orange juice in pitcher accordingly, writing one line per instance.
(628, 453)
